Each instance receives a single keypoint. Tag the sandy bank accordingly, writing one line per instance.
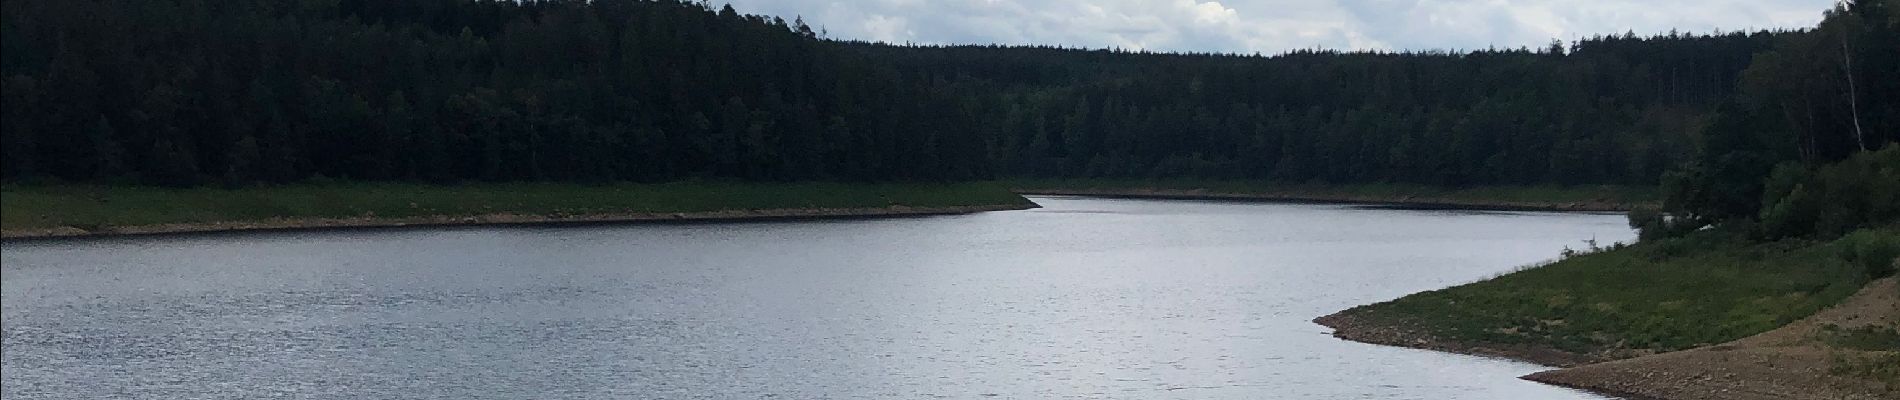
(506, 219)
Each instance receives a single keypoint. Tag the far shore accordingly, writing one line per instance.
(48, 211)
(769, 214)
(506, 219)
(1415, 202)
(55, 211)
(1596, 197)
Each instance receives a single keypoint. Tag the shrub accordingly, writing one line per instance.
(1651, 224)
(1875, 251)
(1860, 192)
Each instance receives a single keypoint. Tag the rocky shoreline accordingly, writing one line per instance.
(283, 224)
(1409, 201)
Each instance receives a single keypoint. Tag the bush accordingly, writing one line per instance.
(1875, 251)
(1651, 224)
(1860, 192)
(1647, 222)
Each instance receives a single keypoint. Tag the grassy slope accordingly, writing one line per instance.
(92, 207)
(1848, 351)
(1623, 196)
(1663, 296)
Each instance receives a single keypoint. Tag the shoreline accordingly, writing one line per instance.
(1711, 315)
(1349, 327)
(1783, 363)
(503, 219)
(1790, 362)
(780, 214)
(1409, 201)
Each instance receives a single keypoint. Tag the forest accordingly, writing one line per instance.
(247, 92)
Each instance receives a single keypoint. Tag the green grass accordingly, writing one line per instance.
(1541, 194)
(1706, 288)
(91, 207)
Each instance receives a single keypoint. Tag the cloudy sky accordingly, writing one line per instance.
(1272, 26)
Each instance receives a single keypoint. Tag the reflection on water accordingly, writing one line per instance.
(1085, 298)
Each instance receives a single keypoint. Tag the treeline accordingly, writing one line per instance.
(1797, 151)
(1612, 109)
(187, 92)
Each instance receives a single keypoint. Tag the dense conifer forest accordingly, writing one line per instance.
(239, 92)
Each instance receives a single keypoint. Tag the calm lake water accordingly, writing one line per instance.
(1085, 298)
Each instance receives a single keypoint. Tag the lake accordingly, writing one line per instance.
(1084, 298)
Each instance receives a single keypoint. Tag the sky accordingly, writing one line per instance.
(1274, 26)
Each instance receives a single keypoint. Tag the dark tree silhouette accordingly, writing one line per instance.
(185, 92)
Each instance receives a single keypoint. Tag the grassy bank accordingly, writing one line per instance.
(1845, 352)
(114, 208)
(1594, 197)
(1673, 294)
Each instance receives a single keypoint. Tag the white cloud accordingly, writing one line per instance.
(887, 29)
(1272, 26)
